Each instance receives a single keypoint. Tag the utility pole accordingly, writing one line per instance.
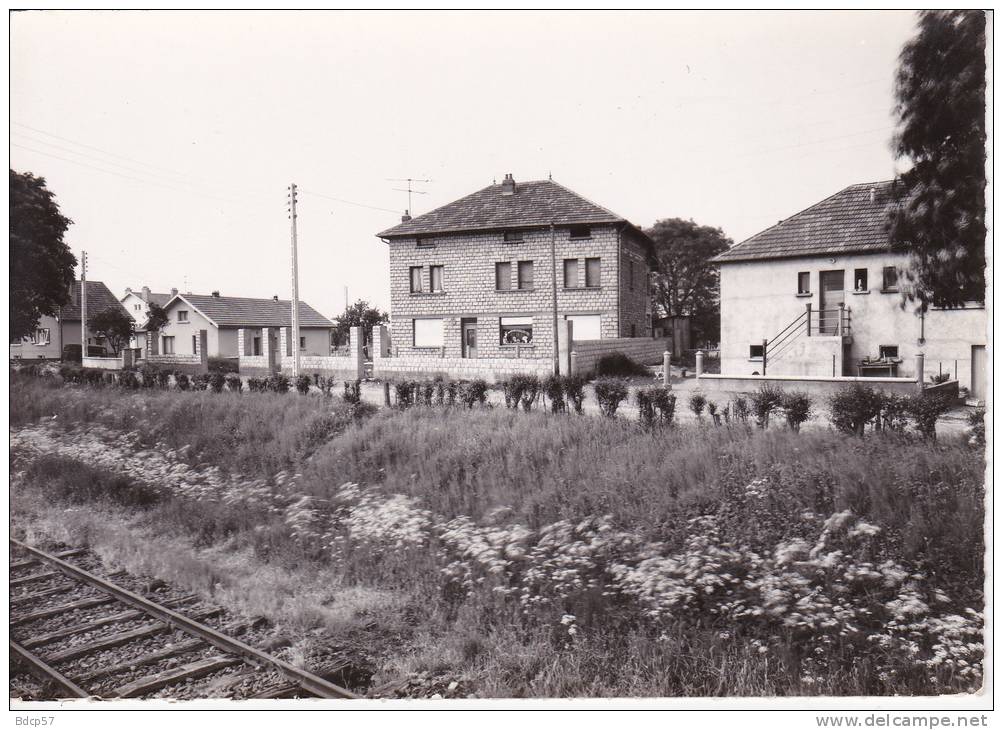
(553, 287)
(295, 344)
(83, 305)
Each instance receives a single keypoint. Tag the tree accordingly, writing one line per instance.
(156, 318)
(360, 314)
(939, 218)
(686, 282)
(115, 325)
(41, 264)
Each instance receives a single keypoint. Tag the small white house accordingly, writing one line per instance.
(817, 295)
(222, 317)
(137, 304)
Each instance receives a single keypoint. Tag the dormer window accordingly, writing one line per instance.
(513, 236)
(580, 232)
(424, 242)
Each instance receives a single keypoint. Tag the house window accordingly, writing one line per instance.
(860, 280)
(41, 336)
(515, 330)
(804, 282)
(137, 307)
(580, 232)
(889, 279)
(427, 332)
(585, 326)
(168, 348)
(889, 351)
(592, 271)
(525, 274)
(630, 276)
(415, 279)
(633, 330)
(570, 273)
(436, 274)
(182, 315)
(195, 344)
(302, 343)
(755, 352)
(503, 275)
(425, 242)
(513, 236)
(257, 346)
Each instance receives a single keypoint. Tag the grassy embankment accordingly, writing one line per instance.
(534, 554)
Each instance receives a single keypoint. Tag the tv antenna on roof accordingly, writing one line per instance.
(409, 189)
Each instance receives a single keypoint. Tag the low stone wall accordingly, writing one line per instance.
(817, 386)
(102, 363)
(492, 369)
(645, 350)
(345, 368)
(188, 364)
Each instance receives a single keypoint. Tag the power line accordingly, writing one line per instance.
(347, 202)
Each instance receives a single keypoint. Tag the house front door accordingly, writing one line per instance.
(978, 388)
(831, 295)
(469, 329)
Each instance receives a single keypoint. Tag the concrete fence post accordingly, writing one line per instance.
(126, 358)
(203, 350)
(381, 341)
(920, 369)
(355, 343)
(666, 368)
(565, 345)
(386, 393)
(573, 363)
(699, 363)
(266, 348)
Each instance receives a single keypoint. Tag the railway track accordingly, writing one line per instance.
(91, 637)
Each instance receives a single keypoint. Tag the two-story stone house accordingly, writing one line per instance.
(476, 278)
(817, 295)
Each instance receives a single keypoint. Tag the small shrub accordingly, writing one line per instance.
(233, 383)
(764, 402)
(163, 378)
(616, 364)
(740, 409)
(925, 409)
(553, 390)
(697, 403)
(94, 378)
(71, 374)
(712, 412)
(256, 385)
(182, 380)
(893, 416)
(525, 389)
(353, 391)
(149, 374)
(655, 405)
(426, 393)
(324, 384)
(853, 407)
(216, 381)
(977, 427)
(302, 384)
(277, 383)
(610, 392)
(200, 381)
(797, 408)
(440, 392)
(471, 392)
(128, 380)
(405, 393)
(452, 389)
(574, 391)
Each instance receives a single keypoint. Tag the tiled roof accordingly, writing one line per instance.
(536, 203)
(152, 298)
(848, 221)
(99, 298)
(245, 312)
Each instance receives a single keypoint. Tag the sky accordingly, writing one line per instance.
(169, 138)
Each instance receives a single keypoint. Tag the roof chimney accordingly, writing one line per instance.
(508, 184)
(406, 217)
(174, 292)
(146, 294)
(216, 294)
(128, 290)
(874, 194)
(275, 297)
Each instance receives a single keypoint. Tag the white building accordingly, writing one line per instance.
(137, 304)
(817, 295)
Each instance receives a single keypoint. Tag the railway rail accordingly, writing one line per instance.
(85, 634)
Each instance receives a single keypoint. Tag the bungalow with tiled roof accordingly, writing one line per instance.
(55, 333)
(472, 283)
(817, 295)
(224, 317)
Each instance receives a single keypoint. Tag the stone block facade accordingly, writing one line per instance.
(196, 362)
(469, 290)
